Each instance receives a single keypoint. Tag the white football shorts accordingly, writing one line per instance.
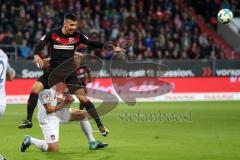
(50, 128)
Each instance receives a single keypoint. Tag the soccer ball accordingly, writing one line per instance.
(225, 16)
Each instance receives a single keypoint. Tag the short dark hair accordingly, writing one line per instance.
(70, 16)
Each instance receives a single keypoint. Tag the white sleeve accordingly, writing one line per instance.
(45, 96)
(10, 70)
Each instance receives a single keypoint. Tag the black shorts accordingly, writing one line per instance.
(83, 84)
(71, 80)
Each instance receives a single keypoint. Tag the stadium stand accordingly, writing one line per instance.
(160, 29)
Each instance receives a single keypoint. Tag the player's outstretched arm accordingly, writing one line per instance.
(85, 40)
(46, 63)
(38, 61)
(38, 48)
(10, 74)
(78, 56)
(65, 103)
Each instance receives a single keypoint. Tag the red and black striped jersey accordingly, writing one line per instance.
(61, 46)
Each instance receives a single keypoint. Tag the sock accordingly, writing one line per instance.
(93, 112)
(81, 106)
(2, 110)
(40, 144)
(87, 129)
(32, 103)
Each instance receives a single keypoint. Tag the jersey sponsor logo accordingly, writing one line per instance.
(47, 97)
(64, 40)
(67, 47)
(52, 137)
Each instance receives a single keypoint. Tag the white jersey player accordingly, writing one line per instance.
(50, 115)
(6, 73)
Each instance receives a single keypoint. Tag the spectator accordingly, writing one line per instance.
(115, 32)
(225, 4)
(149, 41)
(25, 51)
(8, 38)
(185, 40)
(20, 19)
(194, 51)
(18, 38)
(159, 28)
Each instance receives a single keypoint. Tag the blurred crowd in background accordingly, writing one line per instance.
(209, 8)
(159, 29)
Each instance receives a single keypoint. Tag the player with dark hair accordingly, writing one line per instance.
(53, 111)
(62, 43)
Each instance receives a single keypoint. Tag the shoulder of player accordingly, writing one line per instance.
(54, 30)
(51, 33)
(45, 92)
(3, 54)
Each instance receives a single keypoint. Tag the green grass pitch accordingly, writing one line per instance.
(185, 130)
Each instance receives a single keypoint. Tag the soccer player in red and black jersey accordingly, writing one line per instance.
(62, 43)
(83, 74)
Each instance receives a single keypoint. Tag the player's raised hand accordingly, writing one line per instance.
(118, 49)
(46, 63)
(38, 61)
